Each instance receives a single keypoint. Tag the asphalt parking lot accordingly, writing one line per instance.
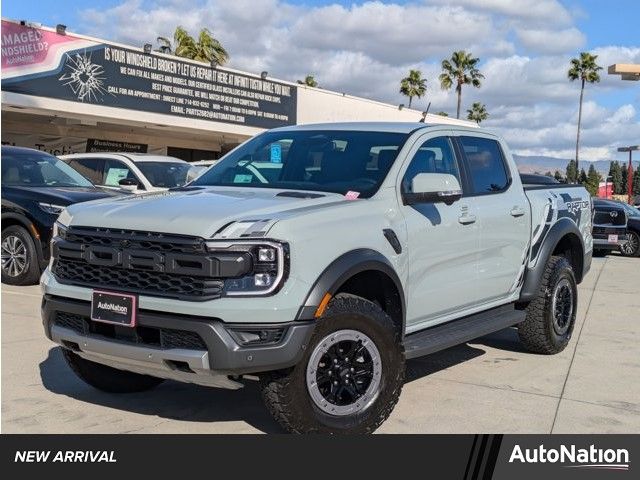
(488, 385)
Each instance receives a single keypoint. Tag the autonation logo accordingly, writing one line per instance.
(119, 309)
(574, 457)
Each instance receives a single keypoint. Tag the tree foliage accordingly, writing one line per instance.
(205, 49)
(585, 69)
(477, 112)
(413, 85)
(309, 81)
(615, 172)
(461, 69)
(591, 180)
(572, 172)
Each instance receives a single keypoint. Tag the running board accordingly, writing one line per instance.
(462, 330)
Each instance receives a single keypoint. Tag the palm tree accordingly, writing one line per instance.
(205, 49)
(309, 81)
(477, 112)
(460, 70)
(586, 69)
(442, 114)
(413, 85)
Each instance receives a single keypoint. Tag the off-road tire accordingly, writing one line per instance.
(286, 394)
(109, 379)
(31, 273)
(537, 332)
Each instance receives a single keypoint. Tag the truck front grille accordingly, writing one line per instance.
(137, 281)
(146, 263)
(613, 217)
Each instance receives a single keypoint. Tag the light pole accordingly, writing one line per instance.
(629, 149)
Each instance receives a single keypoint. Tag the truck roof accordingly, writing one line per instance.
(397, 127)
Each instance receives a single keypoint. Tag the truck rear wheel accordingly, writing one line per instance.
(350, 377)
(108, 379)
(551, 316)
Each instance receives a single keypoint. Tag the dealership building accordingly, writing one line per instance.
(67, 93)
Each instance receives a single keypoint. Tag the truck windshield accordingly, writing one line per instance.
(337, 161)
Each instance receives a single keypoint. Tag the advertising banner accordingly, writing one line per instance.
(96, 145)
(42, 63)
(64, 145)
(53, 144)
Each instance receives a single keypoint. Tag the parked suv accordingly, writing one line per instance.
(609, 227)
(131, 171)
(36, 187)
(629, 233)
(373, 243)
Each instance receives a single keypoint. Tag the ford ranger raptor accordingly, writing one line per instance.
(318, 258)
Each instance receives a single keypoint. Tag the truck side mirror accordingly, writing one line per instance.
(433, 188)
(128, 184)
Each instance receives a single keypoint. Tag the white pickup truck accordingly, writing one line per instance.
(359, 246)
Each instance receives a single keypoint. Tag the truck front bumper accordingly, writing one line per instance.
(190, 349)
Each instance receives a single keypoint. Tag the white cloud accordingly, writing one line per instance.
(551, 41)
(542, 12)
(365, 48)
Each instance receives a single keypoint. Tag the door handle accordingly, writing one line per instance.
(517, 212)
(466, 219)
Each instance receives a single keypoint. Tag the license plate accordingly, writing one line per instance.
(113, 307)
(613, 238)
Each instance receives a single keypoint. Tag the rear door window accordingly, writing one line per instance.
(486, 165)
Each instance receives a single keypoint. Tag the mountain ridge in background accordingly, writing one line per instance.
(542, 164)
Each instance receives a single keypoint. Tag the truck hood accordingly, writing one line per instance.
(197, 211)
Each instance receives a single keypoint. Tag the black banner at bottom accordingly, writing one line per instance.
(466, 457)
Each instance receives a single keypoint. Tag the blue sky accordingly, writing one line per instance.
(364, 48)
(604, 22)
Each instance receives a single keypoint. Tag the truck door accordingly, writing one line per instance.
(503, 216)
(443, 240)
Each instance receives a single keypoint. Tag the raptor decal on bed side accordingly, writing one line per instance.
(574, 207)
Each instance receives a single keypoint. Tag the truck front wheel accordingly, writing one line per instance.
(108, 379)
(551, 316)
(350, 377)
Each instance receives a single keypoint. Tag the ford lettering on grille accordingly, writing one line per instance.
(178, 263)
(146, 263)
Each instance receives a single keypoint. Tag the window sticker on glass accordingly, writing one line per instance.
(351, 195)
(114, 175)
(276, 153)
(242, 178)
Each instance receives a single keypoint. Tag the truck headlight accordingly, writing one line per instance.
(51, 208)
(267, 254)
(245, 229)
(59, 230)
(269, 266)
